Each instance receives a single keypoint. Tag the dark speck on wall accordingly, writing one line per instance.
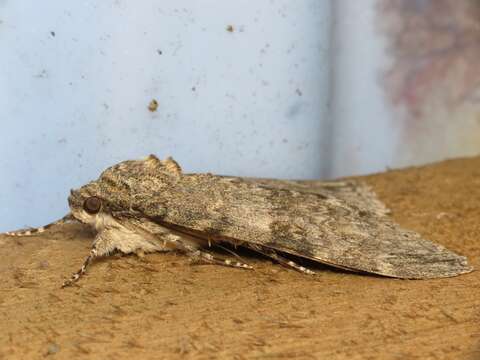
(159, 52)
(52, 33)
(294, 110)
(42, 74)
(230, 28)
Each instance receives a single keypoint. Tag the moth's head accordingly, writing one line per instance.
(86, 203)
(117, 187)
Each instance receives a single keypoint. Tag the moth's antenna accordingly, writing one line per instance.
(33, 231)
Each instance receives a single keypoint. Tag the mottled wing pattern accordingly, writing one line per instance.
(353, 192)
(318, 226)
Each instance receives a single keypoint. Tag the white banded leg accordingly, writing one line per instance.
(102, 246)
(281, 260)
(200, 255)
(210, 259)
(41, 229)
(93, 254)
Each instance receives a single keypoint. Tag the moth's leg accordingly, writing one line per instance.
(102, 246)
(41, 229)
(281, 260)
(93, 254)
(140, 253)
(210, 259)
(200, 255)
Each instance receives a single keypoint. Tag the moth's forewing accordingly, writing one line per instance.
(353, 192)
(314, 225)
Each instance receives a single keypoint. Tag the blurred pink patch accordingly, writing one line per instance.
(435, 48)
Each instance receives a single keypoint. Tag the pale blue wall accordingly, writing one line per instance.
(363, 132)
(74, 102)
(299, 89)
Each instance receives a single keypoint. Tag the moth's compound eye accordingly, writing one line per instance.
(92, 205)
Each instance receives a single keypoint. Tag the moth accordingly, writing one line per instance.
(150, 205)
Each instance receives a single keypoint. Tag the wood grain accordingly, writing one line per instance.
(161, 307)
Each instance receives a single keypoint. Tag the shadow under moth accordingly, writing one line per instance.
(149, 205)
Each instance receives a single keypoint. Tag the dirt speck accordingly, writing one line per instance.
(153, 105)
(52, 349)
(230, 28)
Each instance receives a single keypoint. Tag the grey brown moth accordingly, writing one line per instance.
(149, 205)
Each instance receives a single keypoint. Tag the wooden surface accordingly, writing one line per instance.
(161, 307)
